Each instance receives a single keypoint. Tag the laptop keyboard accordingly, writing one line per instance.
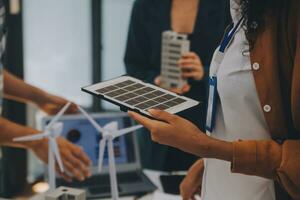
(101, 189)
(103, 180)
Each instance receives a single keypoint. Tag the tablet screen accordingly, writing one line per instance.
(136, 95)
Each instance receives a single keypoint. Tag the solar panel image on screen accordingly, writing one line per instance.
(173, 46)
(137, 95)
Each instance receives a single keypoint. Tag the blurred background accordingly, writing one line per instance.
(60, 46)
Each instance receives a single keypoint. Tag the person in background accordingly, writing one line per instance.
(204, 22)
(74, 159)
(253, 149)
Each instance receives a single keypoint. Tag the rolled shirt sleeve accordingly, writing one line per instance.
(271, 160)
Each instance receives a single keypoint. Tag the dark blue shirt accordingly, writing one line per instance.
(143, 60)
(143, 54)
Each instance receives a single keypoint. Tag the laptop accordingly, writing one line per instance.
(131, 179)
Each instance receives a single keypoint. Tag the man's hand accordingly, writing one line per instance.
(186, 88)
(75, 161)
(52, 104)
(191, 184)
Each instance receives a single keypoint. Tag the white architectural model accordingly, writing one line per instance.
(173, 46)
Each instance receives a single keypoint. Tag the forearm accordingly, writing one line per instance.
(208, 147)
(10, 130)
(221, 150)
(17, 89)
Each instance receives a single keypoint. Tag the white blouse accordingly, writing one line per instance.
(239, 116)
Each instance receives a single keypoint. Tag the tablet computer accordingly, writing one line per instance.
(132, 94)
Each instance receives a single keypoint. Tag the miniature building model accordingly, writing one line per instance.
(173, 46)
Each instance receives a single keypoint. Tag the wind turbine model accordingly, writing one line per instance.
(109, 133)
(52, 131)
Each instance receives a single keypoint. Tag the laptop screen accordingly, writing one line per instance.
(79, 131)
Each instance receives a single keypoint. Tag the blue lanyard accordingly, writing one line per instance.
(224, 44)
(213, 93)
(228, 36)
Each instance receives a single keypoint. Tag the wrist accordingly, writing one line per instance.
(203, 145)
(214, 148)
(35, 143)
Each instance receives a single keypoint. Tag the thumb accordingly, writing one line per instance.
(162, 115)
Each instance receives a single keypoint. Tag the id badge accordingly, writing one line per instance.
(212, 104)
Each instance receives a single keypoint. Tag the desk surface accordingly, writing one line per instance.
(157, 195)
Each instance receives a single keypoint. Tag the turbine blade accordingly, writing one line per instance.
(102, 145)
(58, 115)
(55, 150)
(91, 120)
(31, 137)
(125, 131)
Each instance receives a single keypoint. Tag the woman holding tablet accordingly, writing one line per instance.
(252, 146)
(204, 21)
